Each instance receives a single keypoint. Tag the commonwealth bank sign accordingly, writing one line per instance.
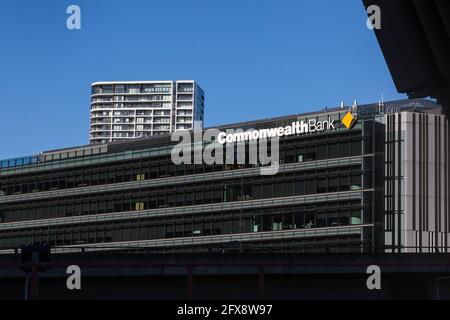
(296, 128)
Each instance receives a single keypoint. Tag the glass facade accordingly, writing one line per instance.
(131, 196)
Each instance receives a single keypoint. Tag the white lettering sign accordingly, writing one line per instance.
(298, 127)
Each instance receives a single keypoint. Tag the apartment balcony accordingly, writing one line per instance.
(185, 97)
(122, 121)
(100, 123)
(144, 122)
(100, 129)
(97, 116)
(161, 114)
(183, 127)
(123, 135)
(184, 113)
(185, 104)
(155, 90)
(160, 132)
(183, 121)
(100, 126)
(188, 90)
(123, 124)
(95, 110)
(123, 114)
(98, 99)
(100, 136)
(146, 127)
(161, 124)
(146, 98)
(104, 105)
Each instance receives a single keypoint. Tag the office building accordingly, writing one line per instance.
(370, 178)
(130, 109)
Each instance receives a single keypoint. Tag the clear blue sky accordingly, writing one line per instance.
(254, 59)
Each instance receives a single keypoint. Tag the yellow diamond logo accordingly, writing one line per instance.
(347, 121)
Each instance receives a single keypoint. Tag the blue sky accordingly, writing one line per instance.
(254, 59)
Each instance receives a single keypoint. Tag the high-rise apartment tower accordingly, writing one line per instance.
(133, 109)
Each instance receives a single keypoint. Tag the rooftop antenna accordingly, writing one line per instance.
(381, 104)
(354, 106)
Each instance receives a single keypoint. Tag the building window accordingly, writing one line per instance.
(333, 219)
(344, 149)
(119, 89)
(355, 216)
(133, 89)
(310, 186)
(333, 184)
(333, 150)
(139, 206)
(321, 220)
(355, 183)
(140, 177)
(299, 187)
(322, 185)
(356, 148)
(321, 151)
(344, 182)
